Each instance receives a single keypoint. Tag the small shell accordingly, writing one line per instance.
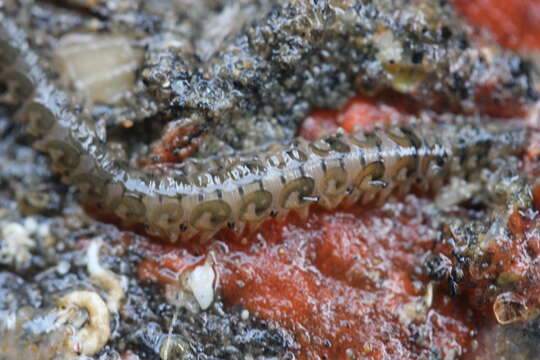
(508, 309)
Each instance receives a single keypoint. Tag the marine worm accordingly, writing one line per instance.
(340, 168)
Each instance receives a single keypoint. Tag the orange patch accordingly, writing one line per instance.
(513, 23)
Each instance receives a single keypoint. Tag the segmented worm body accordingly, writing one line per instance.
(364, 166)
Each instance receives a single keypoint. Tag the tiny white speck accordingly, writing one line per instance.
(31, 225)
(62, 268)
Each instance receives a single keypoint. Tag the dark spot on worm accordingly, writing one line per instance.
(417, 57)
(446, 33)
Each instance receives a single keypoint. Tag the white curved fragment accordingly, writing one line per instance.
(201, 283)
(15, 245)
(94, 335)
(100, 66)
(104, 277)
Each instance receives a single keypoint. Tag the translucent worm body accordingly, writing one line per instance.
(364, 166)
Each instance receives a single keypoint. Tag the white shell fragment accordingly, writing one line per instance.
(100, 66)
(201, 282)
(15, 244)
(104, 277)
